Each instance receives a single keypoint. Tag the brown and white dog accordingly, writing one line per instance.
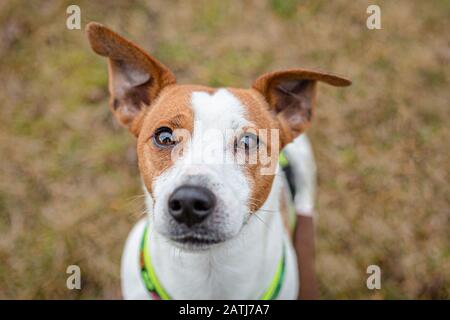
(214, 226)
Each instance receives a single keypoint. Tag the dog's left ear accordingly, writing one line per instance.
(135, 77)
(291, 96)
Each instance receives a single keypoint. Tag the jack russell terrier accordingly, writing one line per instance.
(217, 222)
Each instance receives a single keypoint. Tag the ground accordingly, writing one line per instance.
(69, 184)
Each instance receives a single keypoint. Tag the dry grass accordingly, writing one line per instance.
(69, 187)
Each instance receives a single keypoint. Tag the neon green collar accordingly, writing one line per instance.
(157, 291)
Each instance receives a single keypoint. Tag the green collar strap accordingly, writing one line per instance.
(157, 291)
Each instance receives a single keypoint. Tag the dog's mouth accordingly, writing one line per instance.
(195, 241)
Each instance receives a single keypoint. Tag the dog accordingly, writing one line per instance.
(216, 228)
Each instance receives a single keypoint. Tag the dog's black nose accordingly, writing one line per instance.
(191, 204)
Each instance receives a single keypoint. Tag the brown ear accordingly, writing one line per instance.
(291, 95)
(135, 77)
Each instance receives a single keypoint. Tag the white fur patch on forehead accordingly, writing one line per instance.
(220, 110)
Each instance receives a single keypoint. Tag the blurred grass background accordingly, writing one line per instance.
(69, 185)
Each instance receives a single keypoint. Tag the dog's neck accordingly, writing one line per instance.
(241, 268)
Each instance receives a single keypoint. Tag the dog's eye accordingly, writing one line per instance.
(247, 141)
(164, 137)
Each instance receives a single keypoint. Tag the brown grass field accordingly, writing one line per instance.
(69, 185)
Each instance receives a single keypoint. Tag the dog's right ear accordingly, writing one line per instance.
(291, 95)
(135, 77)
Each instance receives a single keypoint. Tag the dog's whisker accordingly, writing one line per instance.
(260, 219)
(261, 209)
(265, 210)
(135, 198)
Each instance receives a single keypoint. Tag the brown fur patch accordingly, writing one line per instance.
(258, 113)
(172, 109)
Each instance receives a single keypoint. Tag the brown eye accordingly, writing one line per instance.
(247, 141)
(164, 137)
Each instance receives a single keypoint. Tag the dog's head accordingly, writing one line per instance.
(207, 156)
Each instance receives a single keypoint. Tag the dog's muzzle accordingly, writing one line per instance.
(189, 207)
